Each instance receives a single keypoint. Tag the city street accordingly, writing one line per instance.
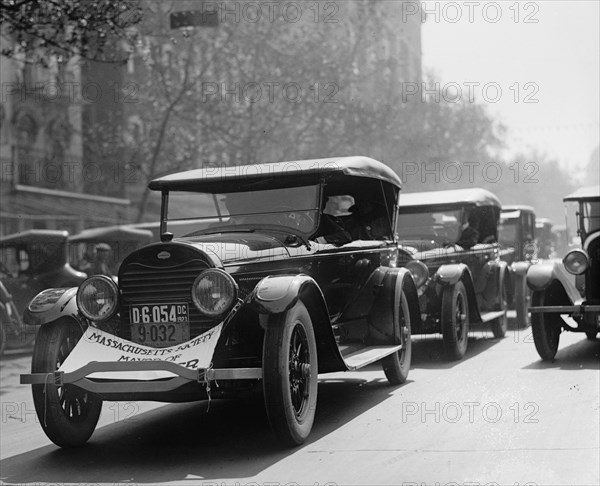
(500, 416)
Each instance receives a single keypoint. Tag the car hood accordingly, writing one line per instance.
(238, 246)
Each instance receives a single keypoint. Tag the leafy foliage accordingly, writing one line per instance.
(65, 28)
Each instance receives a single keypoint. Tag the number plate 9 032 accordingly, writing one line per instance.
(160, 325)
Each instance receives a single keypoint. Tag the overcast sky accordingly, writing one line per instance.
(559, 56)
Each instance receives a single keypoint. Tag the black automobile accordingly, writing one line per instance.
(12, 329)
(292, 274)
(121, 241)
(566, 294)
(449, 242)
(35, 260)
(519, 248)
(546, 239)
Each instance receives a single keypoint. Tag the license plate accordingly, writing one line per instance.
(160, 325)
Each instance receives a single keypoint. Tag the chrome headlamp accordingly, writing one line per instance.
(576, 262)
(419, 271)
(98, 298)
(214, 292)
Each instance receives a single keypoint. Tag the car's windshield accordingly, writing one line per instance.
(591, 216)
(438, 225)
(293, 208)
(507, 231)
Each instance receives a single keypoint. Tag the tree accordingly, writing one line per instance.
(66, 28)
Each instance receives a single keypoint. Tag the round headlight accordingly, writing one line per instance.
(419, 271)
(576, 262)
(214, 292)
(98, 298)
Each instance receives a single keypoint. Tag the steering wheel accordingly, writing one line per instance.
(300, 220)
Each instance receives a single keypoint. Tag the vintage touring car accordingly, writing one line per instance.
(449, 244)
(518, 247)
(289, 274)
(566, 294)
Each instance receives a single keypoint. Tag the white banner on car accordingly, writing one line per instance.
(97, 345)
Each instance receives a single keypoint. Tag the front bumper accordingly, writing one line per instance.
(182, 376)
(574, 310)
(586, 316)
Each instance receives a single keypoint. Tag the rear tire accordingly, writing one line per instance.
(455, 320)
(591, 335)
(546, 329)
(397, 366)
(68, 415)
(290, 374)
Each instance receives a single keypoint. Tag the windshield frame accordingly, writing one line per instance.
(165, 235)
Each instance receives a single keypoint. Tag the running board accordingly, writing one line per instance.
(490, 316)
(368, 355)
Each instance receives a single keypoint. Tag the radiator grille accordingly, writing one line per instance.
(143, 284)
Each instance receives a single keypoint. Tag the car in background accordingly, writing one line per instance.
(30, 262)
(12, 330)
(294, 275)
(566, 294)
(35, 260)
(545, 237)
(518, 247)
(449, 242)
(122, 240)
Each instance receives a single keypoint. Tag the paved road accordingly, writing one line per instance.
(500, 416)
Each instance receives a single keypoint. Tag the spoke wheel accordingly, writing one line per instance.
(500, 325)
(546, 329)
(455, 320)
(290, 374)
(68, 414)
(397, 365)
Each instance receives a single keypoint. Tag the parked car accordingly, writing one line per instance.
(122, 240)
(519, 249)
(279, 287)
(545, 238)
(570, 287)
(35, 260)
(12, 330)
(449, 242)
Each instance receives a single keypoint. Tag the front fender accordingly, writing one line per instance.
(541, 275)
(450, 274)
(453, 273)
(50, 305)
(275, 294)
(520, 268)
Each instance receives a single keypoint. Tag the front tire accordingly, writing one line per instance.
(546, 329)
(591, 335)
(500, 325)
(68, 414)
(290, 374)
(455, 320)
(522, 300)
(396, 366)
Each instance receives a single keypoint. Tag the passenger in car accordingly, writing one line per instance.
(368, 221)
(470, 234)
